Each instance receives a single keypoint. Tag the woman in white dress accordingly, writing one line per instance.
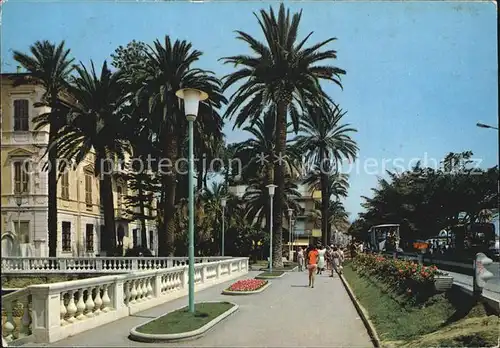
(321, 260)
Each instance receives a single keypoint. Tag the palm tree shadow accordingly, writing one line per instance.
(463, 304)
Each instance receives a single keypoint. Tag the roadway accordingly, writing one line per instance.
(492, 285)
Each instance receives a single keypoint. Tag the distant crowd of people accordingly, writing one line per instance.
(318, 259)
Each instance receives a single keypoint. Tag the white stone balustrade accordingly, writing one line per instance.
(43, 265)
(50, 312)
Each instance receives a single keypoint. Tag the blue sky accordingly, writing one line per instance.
(419, 74)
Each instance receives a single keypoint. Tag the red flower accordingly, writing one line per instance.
(247, 285)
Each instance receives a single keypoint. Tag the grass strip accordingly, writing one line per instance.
(451, 319)
(182, 320)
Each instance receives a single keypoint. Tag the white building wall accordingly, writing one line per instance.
(71, 218)
(97, 222)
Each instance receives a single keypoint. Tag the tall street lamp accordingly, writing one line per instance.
(482, 125)
(271, 188)
(223, 205)
(192, 98)
(290, 214)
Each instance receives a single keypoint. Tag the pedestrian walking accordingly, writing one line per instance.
(341, 259)
(300, 259)
(321, 259)
(312, 263)
(328, 257)
(336, 261)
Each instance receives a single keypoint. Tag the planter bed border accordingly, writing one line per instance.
(240, 293)
(281, 270)
(180, 336)
(270, 277)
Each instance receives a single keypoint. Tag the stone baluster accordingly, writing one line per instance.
(126, 293)
(105, 299)
(145, 288)
(218, 270)
(63, 311)
(89, 304)
(171, 282)
(97, 300)
(150, 287)
(139, 290)
(204, 274)
(9, 325)
(80, 306)
(71, 307)
(26, 318)
(133, 292)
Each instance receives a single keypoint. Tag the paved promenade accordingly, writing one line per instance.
(287, 314)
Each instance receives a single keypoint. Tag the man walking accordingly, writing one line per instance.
(300, 259)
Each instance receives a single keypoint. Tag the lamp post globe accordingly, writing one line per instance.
(191, 98)
(271, 188)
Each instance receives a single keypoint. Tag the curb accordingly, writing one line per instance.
(150, 338)
(288, 270)
(362, 313)
(271, 277)
(236, 293)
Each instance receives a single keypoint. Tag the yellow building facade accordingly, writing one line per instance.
(24, 188)
(306, 225)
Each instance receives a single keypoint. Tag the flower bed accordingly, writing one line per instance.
(246, 285)
(416, 281)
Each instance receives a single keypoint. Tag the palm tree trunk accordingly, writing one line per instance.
(279, 177)
(140, 193)
(52, 192)
(205, 179)
(166, 240)
(325, 200)
(325, 196)
(106, 193)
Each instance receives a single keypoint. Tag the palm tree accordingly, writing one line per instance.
(168, 69)
(325, 142)
(281, 73)
(337, 214)
(212, 205)
(257, 154)
(50, 66)
(94, 123)
(256, 198)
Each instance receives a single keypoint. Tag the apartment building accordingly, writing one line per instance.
(24, 191)
(306, 225)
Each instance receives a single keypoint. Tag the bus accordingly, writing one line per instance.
(385, 237)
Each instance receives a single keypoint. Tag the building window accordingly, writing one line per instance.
(135, 237)
(119, 200)
(88, 190)
(65, 185)
(66, 236)
(151, 240)
(22, 229)
(89, 237)
(21, 177)
(21, 115)
(119, 197)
